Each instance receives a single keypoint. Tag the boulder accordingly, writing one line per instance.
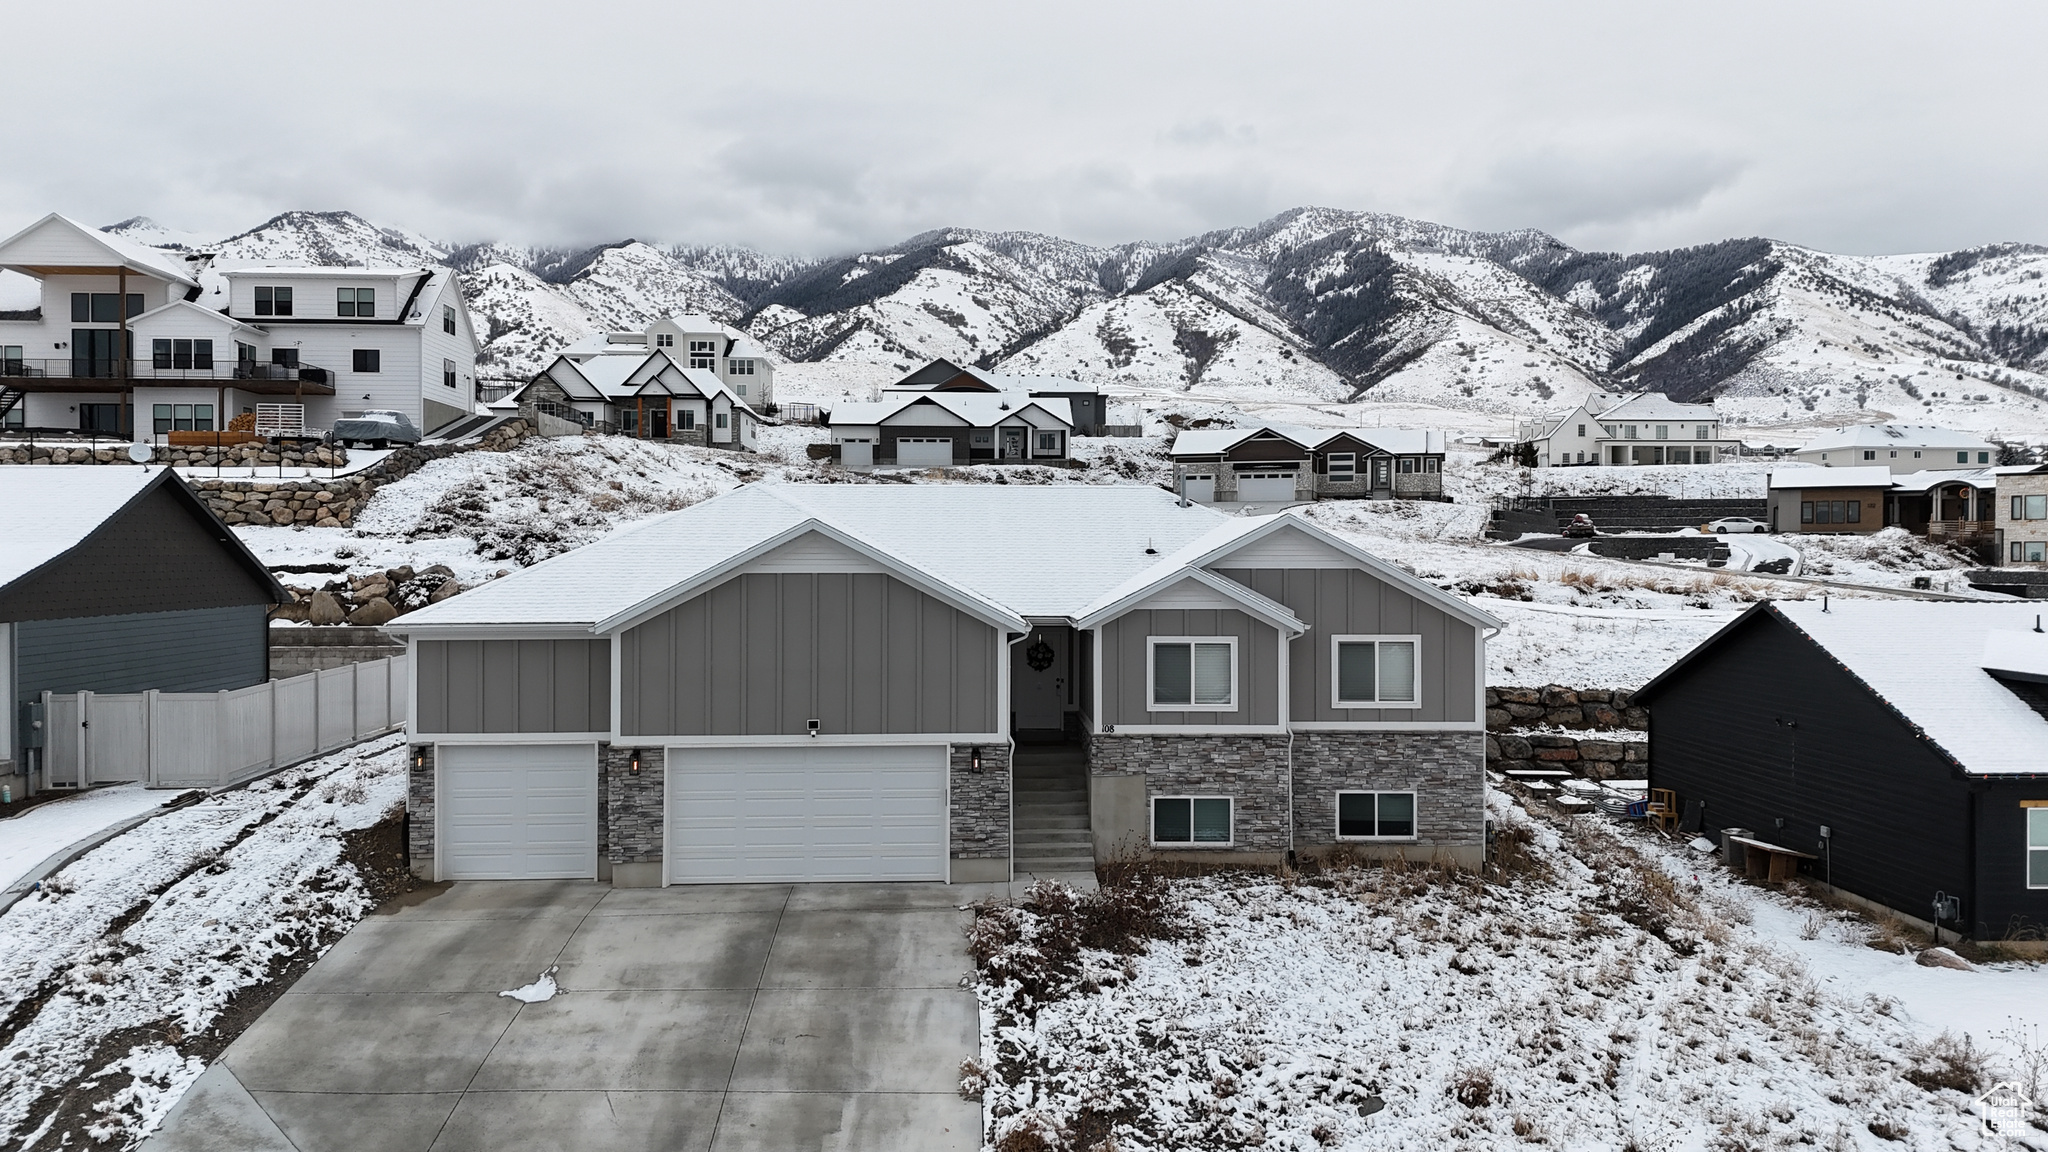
(324, 608)
(1943, 958)
(1492, 698)
(1514, 748)
(1567, 717)
(1559, 696)
(1557, 755)
(1519, 696)
(1595, 696)
(1492, 749)
(1636, 718)
(372, 613)
(1524, 711)
(1498, 718)
(448, 588)
(1601, 715)
(1600, 750)
(400, 574)
(438, 570)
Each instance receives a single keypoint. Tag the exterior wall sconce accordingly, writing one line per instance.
(812, 727)
(419, 758)
(974, 760)
(633, 765)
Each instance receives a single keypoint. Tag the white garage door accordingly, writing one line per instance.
(1265, 487)
(517, 812)
(1201, 488)
(923, 451)
(806, 812)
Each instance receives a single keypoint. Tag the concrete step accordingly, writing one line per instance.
(1039, 818)
(1056, 844)
(1053, 802)
(1054, 864)
(1049, 784)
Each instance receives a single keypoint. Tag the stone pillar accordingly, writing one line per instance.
(980, 833)
(630, 816)
(419, 806)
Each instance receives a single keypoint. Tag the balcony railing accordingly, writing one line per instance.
(179, 370)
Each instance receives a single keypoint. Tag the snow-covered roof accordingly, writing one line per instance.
(1657, 406)
(327, 270)
(1892, 436)
(1097, 543)
(1922, 480)
(1927, 660)
(46, 512)
(30, 248)
(977, 409)
(1394, 441)
(1868, 476)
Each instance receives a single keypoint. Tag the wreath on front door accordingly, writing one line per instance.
(1039, 655)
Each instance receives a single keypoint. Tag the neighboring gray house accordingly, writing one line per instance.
(1281, 464)
(947, 428)
(835, 682)
(118, 579)
(1087, 408)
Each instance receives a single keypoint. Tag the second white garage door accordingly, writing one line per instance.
(516, 812)
(806, 812)
(1265, 487)
(923, 451)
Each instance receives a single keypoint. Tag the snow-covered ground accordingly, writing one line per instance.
(133, 951)
(1614, 993)
(47, 829)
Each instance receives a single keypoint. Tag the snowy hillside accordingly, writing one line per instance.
(1314, 306)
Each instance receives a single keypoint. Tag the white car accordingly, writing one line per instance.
(1728, 524)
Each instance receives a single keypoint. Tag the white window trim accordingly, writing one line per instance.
(1337, 702)
(1152, 823)
(1152, 703)
(1336, 820)
(2026, 842)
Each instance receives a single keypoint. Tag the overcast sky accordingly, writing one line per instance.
(1851, 125)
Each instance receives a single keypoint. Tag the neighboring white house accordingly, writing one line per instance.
(1901, 447)
(203, 345)
(1621, 428)
(693, 341)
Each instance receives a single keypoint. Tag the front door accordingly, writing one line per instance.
(659, 419)
(1383, 473)
(1013, 443)
(1042, 680)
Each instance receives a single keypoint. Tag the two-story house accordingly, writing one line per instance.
(1282, 464)
(1620, 428)
(943, 682)
(695, 342)
(133, 340)
(1902, 448)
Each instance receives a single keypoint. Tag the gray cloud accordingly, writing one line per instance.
(794, 125)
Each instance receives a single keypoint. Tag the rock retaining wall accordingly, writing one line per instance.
(1586, 756)
(1556, 706)
(253, 455)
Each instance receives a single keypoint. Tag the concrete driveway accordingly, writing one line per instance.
(690, 1018)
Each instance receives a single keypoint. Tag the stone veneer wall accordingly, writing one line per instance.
(419, 802)
(630, 810)
(1250, 769)
(1445, 770)
(981, 803)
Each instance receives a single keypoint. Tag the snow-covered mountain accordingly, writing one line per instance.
(1315, 304)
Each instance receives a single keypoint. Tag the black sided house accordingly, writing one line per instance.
(118, 579)
(1897, 751)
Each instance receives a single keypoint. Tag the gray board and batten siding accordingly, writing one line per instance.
(477, 687)
(202, 650)
(1126, 649)
(764, 653)
(164, 552)
(1349, 602)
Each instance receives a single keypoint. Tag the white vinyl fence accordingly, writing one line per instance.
(213, 739)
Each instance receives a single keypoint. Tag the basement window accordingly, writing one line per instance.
(1374, 672)
(1375, 815)
(1202, 821)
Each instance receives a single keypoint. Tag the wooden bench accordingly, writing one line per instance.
(1761, 861)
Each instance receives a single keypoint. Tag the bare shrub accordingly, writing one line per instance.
(1809, 929)
(973, 1079)
(1473, 1087)
(1037, 943)
(1943, 1063)
(1885, 1129)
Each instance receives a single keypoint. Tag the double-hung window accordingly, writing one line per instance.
(355, 302)
(1663, 432)
(1343, 467)
(1375, 815)
(739, 367)
(1703, 432)
(273, 301)
(1375, 672)
(1048, 443)
(2037, 847)
(664, 339)
(181, 353)
(448, 319)
(1193, 674)
(703, 354)
(1197, 821)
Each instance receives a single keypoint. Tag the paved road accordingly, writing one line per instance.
(691, 1018)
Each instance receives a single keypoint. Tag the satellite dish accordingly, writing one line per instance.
(141, 453)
